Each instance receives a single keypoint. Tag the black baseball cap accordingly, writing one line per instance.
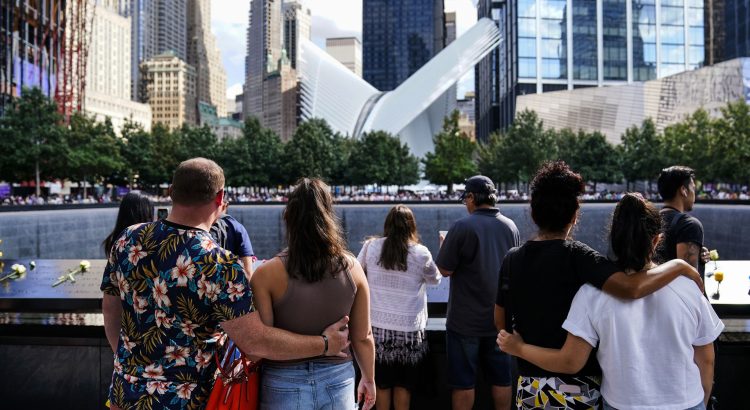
(479, 184)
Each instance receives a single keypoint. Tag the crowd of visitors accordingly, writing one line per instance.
(362, 196)
(314, 310)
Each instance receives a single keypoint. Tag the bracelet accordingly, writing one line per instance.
(325, 341)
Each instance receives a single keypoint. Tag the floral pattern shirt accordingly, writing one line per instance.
(176, 285)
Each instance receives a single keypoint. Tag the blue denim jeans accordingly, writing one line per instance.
(308, 385)
(606, 406)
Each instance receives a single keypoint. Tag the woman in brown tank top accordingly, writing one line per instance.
(312, 283)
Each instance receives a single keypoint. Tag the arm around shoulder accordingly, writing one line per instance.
(644, 283)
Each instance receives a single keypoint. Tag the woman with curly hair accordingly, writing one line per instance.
(312, 283)
(539, 280)
(398, 269)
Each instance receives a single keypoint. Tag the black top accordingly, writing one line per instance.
(544, 277)
(473, 250)
(685, 229)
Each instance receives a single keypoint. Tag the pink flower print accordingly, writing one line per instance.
(118, 365)
(122, 243)
(160, 293)
(154, 371)
(122, 284)
(127, 344)
(183, 271)
(207, 243)
(188, 327)
(202, 286)
(185, 390)
(202, 359)
(177, 354)
(212, 291)
(140, 304)
(157, 386)
(135, 254)
(131, 379)
(235, 291)
(162, 320)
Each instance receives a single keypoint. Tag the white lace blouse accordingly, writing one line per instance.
(398, 299)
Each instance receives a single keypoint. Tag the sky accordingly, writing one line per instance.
(330, 18)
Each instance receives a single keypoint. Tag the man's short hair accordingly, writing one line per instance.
(196, 182)
(672, 178)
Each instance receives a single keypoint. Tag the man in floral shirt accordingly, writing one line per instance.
(168, 286)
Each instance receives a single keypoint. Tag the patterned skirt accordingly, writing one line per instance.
(578, 393)
(397, 347)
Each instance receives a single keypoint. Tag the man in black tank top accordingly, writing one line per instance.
(683, 233)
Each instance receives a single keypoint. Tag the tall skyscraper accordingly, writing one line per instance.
(108, 87)
(264, 44)
(582, 43)
(495, 77)
(727, 30)
(450, 36)
(348, 51)
(204, 55)
(297, 25)
(156, 27)
(398, 38)
(168, 85)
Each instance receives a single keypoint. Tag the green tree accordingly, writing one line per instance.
(141, 158)
(453, 158)
(589, 154)
(94, 150)
(196, 142)
(687, 142)
(515, 155)
(381, 158)
(730, 144)
(33, 139)
(342, 149)
(253, 159)
(641, 152)
(312, 152)
(496, 159)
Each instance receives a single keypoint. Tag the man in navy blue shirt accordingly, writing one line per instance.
(471, 255)
(231, 235)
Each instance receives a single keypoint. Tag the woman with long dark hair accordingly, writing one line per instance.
(655, 352)
(398, 269)
(135, 208)
(539, 280)
(312, 283)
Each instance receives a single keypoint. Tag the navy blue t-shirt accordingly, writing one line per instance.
(231, 235)
(473, 250)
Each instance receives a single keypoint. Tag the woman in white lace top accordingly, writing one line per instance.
(398, 269)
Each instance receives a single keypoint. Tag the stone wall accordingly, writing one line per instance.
(78, 233)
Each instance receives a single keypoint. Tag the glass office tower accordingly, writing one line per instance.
(568, 44)
(398, 38)
(564, 44)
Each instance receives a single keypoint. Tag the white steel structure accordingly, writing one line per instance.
(414, 111)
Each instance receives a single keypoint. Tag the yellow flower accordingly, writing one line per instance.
(18, 269)
(85, 265)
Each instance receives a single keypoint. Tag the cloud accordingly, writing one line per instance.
(234, 90)
(324, 27)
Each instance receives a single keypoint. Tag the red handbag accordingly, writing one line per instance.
(237, 383)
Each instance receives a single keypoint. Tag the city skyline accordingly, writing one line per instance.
(330, 18)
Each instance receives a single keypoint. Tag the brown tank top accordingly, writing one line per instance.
(308, 308)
